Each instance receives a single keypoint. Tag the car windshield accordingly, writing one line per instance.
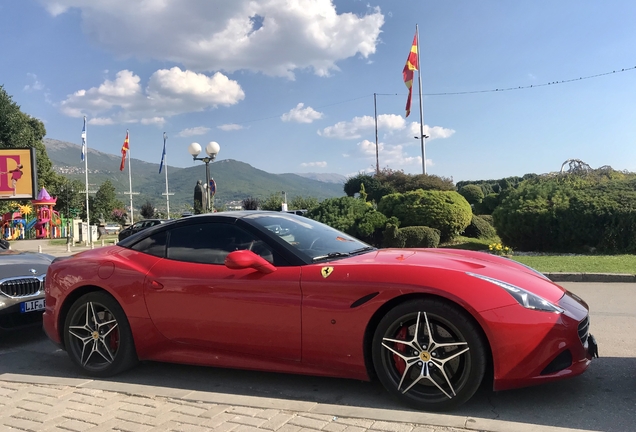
(316, 240)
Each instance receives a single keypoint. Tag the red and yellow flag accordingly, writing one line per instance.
(407, 73)
(124, 152)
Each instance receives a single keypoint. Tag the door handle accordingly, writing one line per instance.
(155, 285)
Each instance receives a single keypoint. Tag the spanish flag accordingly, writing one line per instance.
(407, 73)
(124, 152)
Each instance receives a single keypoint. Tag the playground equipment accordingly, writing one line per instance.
(48, 221)
(13, 226)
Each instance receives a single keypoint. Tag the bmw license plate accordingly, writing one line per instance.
(32, 306)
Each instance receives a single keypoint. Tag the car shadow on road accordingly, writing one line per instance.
(603, 399)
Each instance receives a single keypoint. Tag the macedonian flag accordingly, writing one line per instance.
(124, 152)
(407, 73)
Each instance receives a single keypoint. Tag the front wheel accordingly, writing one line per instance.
(97, 335)
(429, 354)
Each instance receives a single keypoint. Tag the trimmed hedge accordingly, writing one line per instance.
(479, 228)
(570, 214)
(472, 193)
(446, 211)
(411, 237)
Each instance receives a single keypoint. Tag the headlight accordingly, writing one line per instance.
(525, 298)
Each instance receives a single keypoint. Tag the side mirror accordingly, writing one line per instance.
(243, 259)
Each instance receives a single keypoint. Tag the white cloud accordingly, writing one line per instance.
(230, 127)
(393, 156)
(169, 92)
(301, 115)
(100, 121)
(434, 132)
(359, 126)
(35, 85)
(321, 164)
(199, 130)
(276, 37)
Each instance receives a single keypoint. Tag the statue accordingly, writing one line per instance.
(200, 204)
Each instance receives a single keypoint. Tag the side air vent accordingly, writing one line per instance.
(363, 300)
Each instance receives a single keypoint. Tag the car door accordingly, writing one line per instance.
(192, 297)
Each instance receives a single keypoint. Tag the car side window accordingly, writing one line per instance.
(210, 243)
(153, 245)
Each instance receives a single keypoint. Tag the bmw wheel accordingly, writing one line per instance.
(97, 335)
(429, 354)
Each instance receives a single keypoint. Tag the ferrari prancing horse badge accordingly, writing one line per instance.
(326, 271)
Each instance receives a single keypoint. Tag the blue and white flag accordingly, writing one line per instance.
(84, 139)
(163, 155)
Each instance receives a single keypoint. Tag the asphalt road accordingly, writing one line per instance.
(603, 399)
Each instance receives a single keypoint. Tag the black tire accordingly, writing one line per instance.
(407, 369)
(97, 336)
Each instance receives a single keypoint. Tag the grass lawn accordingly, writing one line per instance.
(580, 263)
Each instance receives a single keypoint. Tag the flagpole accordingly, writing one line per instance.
(377, 157)
(132, 220)
(165, 163)
(88, 218)
(419, 78)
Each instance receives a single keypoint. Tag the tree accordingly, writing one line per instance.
(20, 130)
(399, 181)
(105, 202)
(273, 202)
(303, 203)
(351, 215)
(251, 203)
(70, 201)
(147, 210)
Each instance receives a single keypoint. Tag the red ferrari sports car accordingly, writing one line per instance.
(279, 292)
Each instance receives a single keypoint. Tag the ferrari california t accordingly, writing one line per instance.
(279, 292)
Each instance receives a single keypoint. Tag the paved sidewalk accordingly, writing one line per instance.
(44, 246)
(42, 404)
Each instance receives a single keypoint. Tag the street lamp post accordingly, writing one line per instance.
(212, 149)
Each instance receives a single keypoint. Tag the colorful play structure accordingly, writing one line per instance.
(46, 223)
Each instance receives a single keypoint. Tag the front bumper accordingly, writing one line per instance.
(532, 347)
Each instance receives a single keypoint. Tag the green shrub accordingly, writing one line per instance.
(570, 213)
(411, 237)
(487, 205)
(350, 215)
(472, 193)
(487, 218)
(479, 228)
(446, 211)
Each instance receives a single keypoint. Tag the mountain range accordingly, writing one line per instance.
(235, 180)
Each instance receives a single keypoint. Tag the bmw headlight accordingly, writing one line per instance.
(525, 298)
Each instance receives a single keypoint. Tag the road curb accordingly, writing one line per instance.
(387, 415)
(590, 277)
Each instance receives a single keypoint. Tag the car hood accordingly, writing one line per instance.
(16, 263)
(465, 262)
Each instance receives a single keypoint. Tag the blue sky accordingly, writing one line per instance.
(287, 85)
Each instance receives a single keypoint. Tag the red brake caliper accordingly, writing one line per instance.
(400, 364)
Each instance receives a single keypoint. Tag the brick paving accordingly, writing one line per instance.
(48, 408)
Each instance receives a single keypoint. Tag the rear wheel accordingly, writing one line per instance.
(97, 335)
(429, 354)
